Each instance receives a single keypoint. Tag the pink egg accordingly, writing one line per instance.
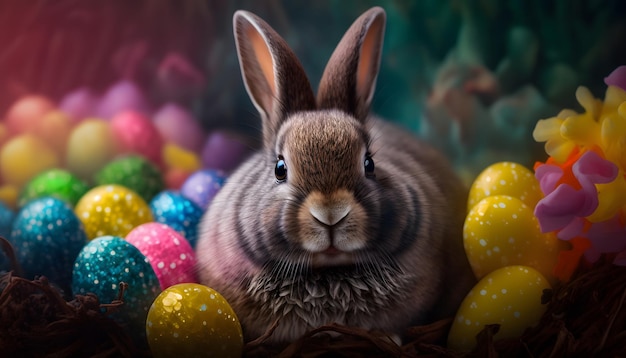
(137, 134)
(26, 113)
(179, 126)
(224, 151)
(170, 254)
(122, 96)
(79, 104)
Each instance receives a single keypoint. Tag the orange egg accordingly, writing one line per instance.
(27, 112)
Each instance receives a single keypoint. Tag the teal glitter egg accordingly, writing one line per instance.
(102, 265)
(47, 236)
(134, 172)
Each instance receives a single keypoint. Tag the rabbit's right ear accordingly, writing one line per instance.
(273, 76)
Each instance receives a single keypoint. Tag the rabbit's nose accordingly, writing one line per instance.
(330, 214)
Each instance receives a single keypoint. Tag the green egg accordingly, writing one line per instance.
(135, 173)
(57, 183)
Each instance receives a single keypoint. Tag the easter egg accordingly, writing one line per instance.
(122, 96)
(202, 186)
(135, 173)
(79, 104)
(225, 151)
(505, 178)
(47, 237)
(179, 126)
(175, 178)
(135, 133)
(26, 113)
(177, 157)
(181, 214)
(8, 195)
(500, 231)
(111, 210)
(192, 320)
(6, 220)
(102, 265)
(25, 156)
(170, 254)
(58, 183)
(90, 146)
(55, 128)
(4, 134)
(509, 296)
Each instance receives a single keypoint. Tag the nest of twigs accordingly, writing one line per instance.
(585, 317)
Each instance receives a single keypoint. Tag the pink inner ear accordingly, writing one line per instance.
(366, 71)
(263, 56)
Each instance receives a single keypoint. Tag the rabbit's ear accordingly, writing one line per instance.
(349, 79)
(273, 76)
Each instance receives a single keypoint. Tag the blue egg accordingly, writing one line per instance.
(100, 267)
(181, 214)
(202, 186)
(6, 222)
(47, 236)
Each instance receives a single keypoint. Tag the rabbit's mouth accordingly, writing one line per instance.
(332, 256)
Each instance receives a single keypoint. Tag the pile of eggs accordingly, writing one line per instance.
(511, 258)
(100, 190)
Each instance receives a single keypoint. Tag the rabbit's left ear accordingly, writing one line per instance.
(349, 80)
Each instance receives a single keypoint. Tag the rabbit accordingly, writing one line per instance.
(341, 217)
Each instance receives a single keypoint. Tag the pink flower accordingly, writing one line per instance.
(617, 78)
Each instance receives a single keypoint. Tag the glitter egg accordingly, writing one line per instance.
(47, 237)
(105, 262)
(90, 146)
(176, 211)
(509, 296)
(137, 134)
(25, 156)
(112, 210)
(500, 231)
(192, 320)
(202, 186)
(6, 220)
(58, 183)
(135, 173)
(170, 254)
(505, 178)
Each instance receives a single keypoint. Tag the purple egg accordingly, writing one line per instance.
(122, 96)
(224, 151)
(179, 126)
(202, 186)
(79, 104)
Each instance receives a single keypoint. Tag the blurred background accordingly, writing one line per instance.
(472, 77)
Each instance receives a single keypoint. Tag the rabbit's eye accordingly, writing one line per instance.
(281, 169)
(369, 165)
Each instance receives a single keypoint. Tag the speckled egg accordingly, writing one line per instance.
(509, 296)
(103, 264)
(191, 320)
(170, 254)
(176, 211)
(505, 178)
(134, 172)
(47, 237)
(58, 183)
(500, 231)
(201, 186)
(112, 210)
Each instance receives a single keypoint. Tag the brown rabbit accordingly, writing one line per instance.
(310, 231)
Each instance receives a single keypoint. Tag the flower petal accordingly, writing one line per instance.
(617, 78)
(557, 209)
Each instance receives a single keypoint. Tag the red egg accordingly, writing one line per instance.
(137, 134)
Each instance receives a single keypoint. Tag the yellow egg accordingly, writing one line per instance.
(510, 297)
(111, 210)
(25, 156)
(192, 320)
(90, 146)
(8, 195)
(180, 158)
(505, 178)
(500, 231)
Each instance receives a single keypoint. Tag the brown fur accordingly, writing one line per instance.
(332, 242)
